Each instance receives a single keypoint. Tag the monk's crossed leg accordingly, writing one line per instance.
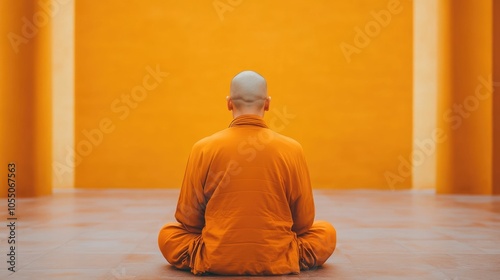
(174, 242)
(316, 245)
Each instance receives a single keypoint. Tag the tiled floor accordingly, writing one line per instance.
(112, 234)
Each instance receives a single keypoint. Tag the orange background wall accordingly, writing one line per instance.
(25, 97)
(353, 116)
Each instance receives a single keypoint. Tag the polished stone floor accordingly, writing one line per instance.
(111, 234)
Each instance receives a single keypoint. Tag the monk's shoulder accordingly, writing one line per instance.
(210, 141)
(287, 142)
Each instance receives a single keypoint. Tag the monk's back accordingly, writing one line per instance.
(248, 222)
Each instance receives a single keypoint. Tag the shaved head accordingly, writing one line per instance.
(248, 92)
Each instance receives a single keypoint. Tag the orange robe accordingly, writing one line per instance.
(246, 207)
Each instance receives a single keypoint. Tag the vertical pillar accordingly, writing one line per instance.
(496, 97)
(63, 92)
(465, 116)
(424, 92)
(25, 96)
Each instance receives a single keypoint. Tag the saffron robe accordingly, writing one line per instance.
(246, 207)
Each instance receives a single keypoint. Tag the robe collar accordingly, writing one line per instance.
(248, 120)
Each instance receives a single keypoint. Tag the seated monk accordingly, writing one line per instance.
(246, 205)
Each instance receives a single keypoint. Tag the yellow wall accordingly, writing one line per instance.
(25, 96)
(352, 113)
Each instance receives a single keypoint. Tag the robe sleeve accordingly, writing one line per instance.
(191, 205)
(302, 201)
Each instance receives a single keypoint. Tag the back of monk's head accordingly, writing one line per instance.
(248, 92)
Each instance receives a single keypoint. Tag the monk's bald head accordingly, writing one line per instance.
(248, 91)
